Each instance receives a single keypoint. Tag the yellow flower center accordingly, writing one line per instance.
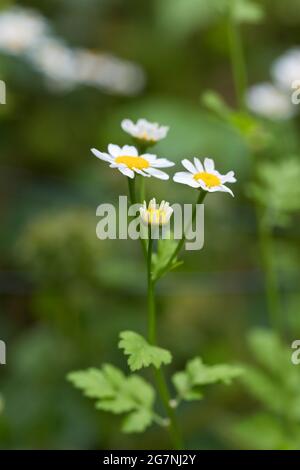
(156, 216)
(133, 162)
(209, 179)
(145, 136)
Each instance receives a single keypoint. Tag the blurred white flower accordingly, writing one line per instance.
(127, 160)
(269, 101)
(26, 31)
(156, 214)
(204, 176)
(286, 69)
(111, 73)
(66, 68)
(144, 130)
(57, 62)
(21, 29)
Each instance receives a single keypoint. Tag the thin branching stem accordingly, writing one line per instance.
(159, 374)
(264, 233)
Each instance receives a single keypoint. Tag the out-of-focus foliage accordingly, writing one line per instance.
(181, 17)
(277, 189)
(275, 384)
(196, 374)
(65, 295)
(118, 394)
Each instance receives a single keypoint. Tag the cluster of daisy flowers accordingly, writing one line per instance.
(26, 33)
(130, 162)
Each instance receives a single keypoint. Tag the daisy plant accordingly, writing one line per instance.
(132, 395)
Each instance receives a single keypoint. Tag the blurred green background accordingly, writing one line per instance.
(65, 295)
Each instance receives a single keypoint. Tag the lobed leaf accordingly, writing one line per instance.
(141, 353)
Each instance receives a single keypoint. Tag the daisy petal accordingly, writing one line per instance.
(221, 188)
(140, 172)
(126, 171)
(188, 165)
(114, 150)
(102, 155)
(129, 151)
(198, 165)
(127, 125)
(149, 157)
(162, 163)
(184, 177)
(225, 189)
(228, 178)
(209, 165)
(157, 173)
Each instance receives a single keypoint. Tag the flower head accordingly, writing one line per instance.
(127, 160)
(156, 214)
(286, 69)
(269, 101)
(204, 176)
(145, 131)
(21, 29)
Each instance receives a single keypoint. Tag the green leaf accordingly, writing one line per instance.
(277, 190)
(141, 353)
(197, 374)
(200, 374)
(137, 421)
(215, 103)
(265, 389)
(248, 127)
(117, 405)
(92, 382)
(141, 391)
(263, 431)
(184, 387)
(165, 249)
(118, 394)
(247, 11)
(275, 381)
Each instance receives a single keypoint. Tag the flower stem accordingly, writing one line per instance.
(237, 57)
(159, 375)
(131, 187)
(263, 231)
(132, 196)
(271, 281)
(180, 244)
(151, 301)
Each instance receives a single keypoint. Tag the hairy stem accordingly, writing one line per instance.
(159, 375)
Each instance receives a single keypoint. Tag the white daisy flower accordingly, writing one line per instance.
(286, 69)
(21, 29)
(156, 214)
(145, 131)
(127, 160)
(204, 176)
(269, 101)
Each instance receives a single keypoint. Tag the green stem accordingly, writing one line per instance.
(237, 57)
(270, 277)
(264, 232)
(151, 302)
(131, 188)
(142, 189)
(132, 196)
(181, 242)
(159, 375)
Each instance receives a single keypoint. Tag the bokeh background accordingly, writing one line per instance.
(73, 70)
